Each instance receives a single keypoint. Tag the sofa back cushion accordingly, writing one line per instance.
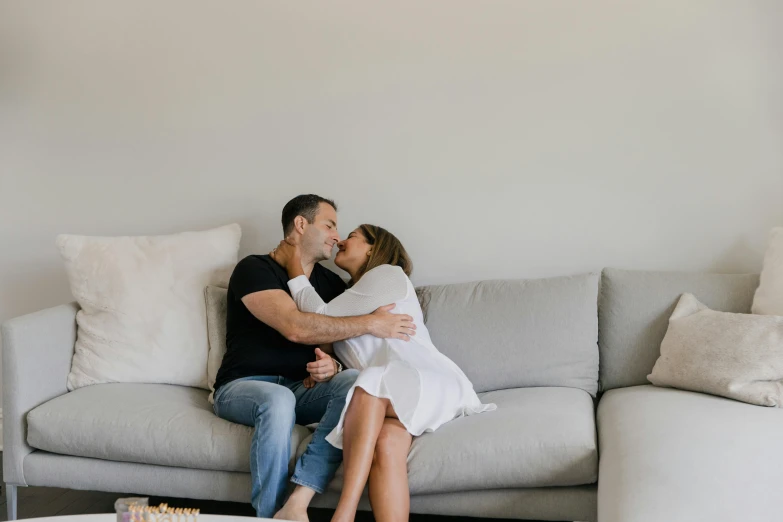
(518, 333)
(634, 309)
(503, 334)
(215, 299)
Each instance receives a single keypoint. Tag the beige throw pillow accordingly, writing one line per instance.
(142, 317)
(768, 299)
(739, 356)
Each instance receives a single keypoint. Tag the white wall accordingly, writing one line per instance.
(495, 138)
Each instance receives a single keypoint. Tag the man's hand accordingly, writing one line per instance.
(323, 368)
(387, 325)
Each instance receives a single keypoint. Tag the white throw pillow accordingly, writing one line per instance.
(143, 318)
(739, 356)
(769, 295)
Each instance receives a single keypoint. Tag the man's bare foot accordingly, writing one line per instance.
(295, 508)
(341, 516)
(288, 513)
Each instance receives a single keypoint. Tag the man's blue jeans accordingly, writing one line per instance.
(272, 404)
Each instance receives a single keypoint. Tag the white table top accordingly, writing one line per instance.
(112, 517)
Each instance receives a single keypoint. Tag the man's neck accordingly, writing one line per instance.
(308, 266)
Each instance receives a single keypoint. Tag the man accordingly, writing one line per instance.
(270, 377)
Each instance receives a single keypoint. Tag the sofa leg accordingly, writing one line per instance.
(10, 498)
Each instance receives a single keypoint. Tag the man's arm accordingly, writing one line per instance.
(278, 310)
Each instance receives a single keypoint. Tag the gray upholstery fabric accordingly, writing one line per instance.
(682, 456)
(37, 351)
(537, 437)
(215, 302)
(634, 309)
(518, 333)
(62, 471)
(47, 469)
(572, 503)
(145, 423)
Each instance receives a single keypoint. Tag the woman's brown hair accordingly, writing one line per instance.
(386, 250)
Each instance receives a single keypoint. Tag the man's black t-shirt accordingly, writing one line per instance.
(253, 347)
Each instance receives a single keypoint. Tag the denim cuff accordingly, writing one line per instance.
(300, 482)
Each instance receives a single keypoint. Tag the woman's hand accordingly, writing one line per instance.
(289, 256)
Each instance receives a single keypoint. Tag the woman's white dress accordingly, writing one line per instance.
(424, 386)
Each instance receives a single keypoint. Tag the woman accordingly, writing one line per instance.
(405, 388)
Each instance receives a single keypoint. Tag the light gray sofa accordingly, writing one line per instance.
(530, 346)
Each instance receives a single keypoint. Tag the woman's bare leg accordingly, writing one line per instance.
(389, 494)
(363, 423)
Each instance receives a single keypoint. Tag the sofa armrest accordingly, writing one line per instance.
(37, 352)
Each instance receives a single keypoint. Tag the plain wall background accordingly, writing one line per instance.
(496, 138)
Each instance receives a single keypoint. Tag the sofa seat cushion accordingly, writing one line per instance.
(144, 423)
(682, 456)
(537, 437)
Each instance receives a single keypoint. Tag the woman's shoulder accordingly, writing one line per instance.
(385, 275)
(386, 271)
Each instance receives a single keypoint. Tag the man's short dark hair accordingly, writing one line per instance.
(306, 206)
